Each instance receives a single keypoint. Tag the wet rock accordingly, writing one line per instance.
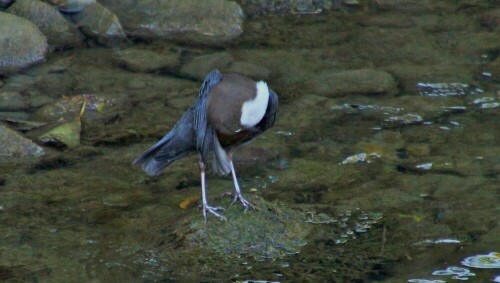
(70, 6)
(55, 84)
(52, 24)
(363, 81)
(410, 75)
(12, 101)
(22, 43)
(200, 66)
(18, 82)
(20, 124)
(253, 71)
(271, 232)
(141, 60)
(97, 22)
(15, 145)
(207, 22)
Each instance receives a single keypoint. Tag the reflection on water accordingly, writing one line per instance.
(387, 173)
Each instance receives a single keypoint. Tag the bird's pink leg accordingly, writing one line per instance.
(205, 205)
(237, 191)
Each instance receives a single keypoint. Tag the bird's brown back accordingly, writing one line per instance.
(226, 100)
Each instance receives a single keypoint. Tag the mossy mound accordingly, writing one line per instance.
(270, 232)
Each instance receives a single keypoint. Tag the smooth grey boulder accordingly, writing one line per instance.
(21, 44)
(193, 21)
(97, 22)
(51, 22)
(13, 144)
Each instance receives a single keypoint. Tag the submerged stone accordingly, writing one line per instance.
(52, 24)
(14, 144)
(96, 21)
(22, 43)
(12, 101)
(208, 21)
(141, 60)
(254, 71)
(201, 65)
(363, 81)
(20, 124)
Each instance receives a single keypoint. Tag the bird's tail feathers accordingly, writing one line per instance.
(174, 145)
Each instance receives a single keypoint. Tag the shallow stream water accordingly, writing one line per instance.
(418, 167)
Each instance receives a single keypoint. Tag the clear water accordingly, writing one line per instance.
(423, 163)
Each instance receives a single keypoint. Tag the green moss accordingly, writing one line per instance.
(271, 232)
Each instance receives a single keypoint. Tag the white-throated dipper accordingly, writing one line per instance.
(231, 110)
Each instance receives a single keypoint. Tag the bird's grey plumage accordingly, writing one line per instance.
(191, 134)
(215, 137)
(194, 134)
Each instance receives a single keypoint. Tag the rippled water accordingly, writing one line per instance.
(385, 187)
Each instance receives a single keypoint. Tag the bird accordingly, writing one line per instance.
(231, 110)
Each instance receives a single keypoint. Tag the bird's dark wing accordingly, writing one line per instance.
(204, 132)
(272, 109)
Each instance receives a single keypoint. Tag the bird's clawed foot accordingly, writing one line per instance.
(246, 204)
(213, 210)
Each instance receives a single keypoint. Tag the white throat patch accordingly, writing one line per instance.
(254, 110)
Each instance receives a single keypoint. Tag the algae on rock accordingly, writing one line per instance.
(271, 232)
